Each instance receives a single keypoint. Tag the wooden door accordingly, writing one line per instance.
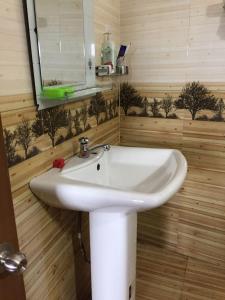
(11, 285)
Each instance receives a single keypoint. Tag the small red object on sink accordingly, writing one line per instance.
(59, 163)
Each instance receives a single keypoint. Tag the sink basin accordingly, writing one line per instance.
(134, 179)
(113, 186)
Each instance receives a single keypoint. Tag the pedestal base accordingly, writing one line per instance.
(113, 255)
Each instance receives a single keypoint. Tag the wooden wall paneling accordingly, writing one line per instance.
(43, 240)
(204, 144)
(203, 281)
(13, 102)
(201, 242)
(174, 41)
(45, 234)
(201, 204)
(22, 173)
(13, 117)
(160, 273)
(206, 27)
(169, 126)
(162, 59)
(151, 132)
(83, 268)
(163, 274)
(107, 18)
(211, 196)
(212, 177)
(52, 230)
(159, 227)
(158, 38)
(14, 62)
(51, 270)
(201, 224)
(192, 223)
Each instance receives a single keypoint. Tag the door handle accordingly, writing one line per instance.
(10, 260)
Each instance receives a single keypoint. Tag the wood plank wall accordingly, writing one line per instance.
(46, 235)
(174, 41)
(181, 245)
(181, 252)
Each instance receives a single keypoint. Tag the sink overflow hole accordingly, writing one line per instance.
(98, 167)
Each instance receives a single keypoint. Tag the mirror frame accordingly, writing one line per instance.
(34, 57)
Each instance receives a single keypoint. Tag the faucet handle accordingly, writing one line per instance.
(84, 151)
(83, 140)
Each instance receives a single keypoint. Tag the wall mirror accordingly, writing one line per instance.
(62, 49)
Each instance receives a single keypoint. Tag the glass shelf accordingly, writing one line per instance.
(78, 95)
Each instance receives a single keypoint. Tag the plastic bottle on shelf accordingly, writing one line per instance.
(108, 56)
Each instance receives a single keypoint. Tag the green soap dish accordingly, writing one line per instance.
(57, 92)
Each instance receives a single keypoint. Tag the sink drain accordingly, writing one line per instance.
(98, 167)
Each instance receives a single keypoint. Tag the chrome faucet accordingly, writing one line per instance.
(85, 151)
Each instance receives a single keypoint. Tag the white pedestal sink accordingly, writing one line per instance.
(113, 186)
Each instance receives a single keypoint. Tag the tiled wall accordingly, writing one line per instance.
(48, 235)
(39, 131)
(181, 245)
(177, 57)
(174, 41)
(193, 100)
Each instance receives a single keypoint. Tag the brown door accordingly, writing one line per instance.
(11, 283)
